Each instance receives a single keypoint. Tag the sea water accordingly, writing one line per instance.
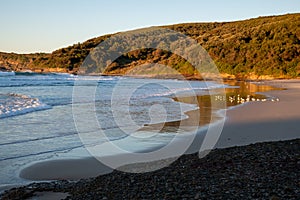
(37, 122)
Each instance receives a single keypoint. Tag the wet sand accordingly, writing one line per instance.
(265, 121)
(247, 124)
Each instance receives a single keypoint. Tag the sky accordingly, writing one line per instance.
(29, 26)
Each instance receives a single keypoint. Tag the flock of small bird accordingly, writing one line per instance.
(239, 99)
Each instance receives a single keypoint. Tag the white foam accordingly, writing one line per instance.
(16, 104)
(12, 73)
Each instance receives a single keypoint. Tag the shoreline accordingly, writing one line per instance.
(224, 76)
(255, 122)
(226, 139)
(56, 168)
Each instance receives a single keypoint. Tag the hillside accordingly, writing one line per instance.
(248, 49)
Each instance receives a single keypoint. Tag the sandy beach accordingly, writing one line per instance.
(265, 121)
(255, 122)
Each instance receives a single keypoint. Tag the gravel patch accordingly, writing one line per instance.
(269, 170)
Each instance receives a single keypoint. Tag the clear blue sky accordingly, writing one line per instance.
(45, 25)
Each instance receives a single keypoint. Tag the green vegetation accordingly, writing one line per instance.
(250, 49)
(261, 46)
(66, 59)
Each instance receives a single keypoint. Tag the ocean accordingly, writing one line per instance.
(37, 119)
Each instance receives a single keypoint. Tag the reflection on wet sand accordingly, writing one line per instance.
(209, 105)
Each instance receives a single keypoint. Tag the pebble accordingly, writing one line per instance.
(246, 172)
